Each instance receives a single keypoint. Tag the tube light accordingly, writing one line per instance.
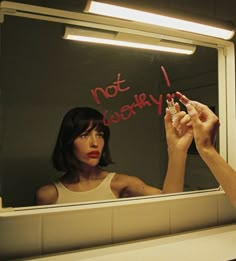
(156, 19)
(128, 40)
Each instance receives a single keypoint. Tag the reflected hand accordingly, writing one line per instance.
(179, 132)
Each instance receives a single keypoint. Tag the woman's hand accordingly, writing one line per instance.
(179, 137)
(179, 133)
(205, 125)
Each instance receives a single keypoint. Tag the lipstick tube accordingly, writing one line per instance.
(182, 98)
(171, 105)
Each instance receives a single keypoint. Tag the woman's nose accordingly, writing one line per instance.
(94, 142)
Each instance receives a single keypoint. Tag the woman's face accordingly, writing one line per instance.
(88, 146)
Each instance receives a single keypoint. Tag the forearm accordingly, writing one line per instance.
(223, 173)
(174, 181)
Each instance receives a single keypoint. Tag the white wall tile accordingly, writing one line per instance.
(77, 229)
(193, 212)
(49, 231)
(140, 221)
(20, 236)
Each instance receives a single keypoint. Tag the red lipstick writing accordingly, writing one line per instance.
(165, 76)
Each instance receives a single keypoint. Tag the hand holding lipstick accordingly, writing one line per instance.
(178, 134)
(180, 120)
(205, 125)
(203, 121)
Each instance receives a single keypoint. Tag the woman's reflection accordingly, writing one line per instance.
(82, 150)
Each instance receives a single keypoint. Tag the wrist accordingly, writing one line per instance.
(206, 152)
(176, 153)
(173, 150)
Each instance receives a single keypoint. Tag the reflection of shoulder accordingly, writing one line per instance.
(125, 178)
(119, 176)
(126, 185)
(46, 195)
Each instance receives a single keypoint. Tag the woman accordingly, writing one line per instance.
(82, 150)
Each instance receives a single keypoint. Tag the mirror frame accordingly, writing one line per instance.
(226, 63)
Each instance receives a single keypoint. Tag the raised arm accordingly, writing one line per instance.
(178, 139)
(205, 125)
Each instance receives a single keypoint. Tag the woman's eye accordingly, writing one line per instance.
(83, 135)
(100, 134)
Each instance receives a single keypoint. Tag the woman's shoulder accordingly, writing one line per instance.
(46, 194)
(124, 177)
(118, 175)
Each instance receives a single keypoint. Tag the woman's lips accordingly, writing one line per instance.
(93, 154)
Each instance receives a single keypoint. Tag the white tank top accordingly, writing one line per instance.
(101, 192)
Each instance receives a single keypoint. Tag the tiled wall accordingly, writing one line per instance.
(41, 231)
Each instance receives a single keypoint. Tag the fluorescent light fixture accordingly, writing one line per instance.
(85, 34)
(159, 20)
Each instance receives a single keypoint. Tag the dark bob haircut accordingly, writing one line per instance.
(74, 123)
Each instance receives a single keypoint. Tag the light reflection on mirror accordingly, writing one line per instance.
(43, 76)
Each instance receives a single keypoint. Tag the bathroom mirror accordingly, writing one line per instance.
(43, 75)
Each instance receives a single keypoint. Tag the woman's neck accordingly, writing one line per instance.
(87, 173)
(90, 173)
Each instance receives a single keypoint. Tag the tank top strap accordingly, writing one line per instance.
(59, 186)
(109, 177)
